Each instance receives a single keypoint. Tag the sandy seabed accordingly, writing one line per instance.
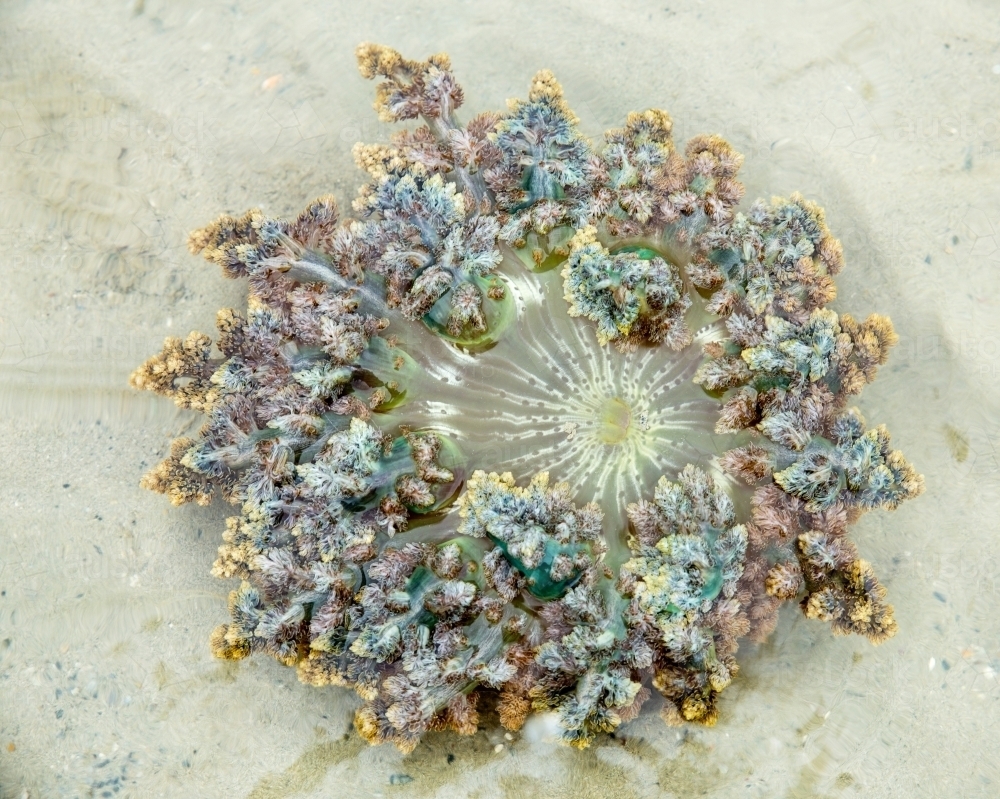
(124, 125)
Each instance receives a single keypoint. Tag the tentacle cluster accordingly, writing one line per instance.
(334, 440)
(547, 170)
(436, 259)
(543, 541)
(634, 295)
(778, 258)
(786, 370)
(652, 187)
(688, 558)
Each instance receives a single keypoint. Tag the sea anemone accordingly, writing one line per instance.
(453, 489)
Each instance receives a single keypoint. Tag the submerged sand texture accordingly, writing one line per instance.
(125, 125)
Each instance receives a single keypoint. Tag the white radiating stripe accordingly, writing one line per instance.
(533, 401)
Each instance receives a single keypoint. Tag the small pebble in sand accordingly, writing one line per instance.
(930, 664)
(498, 748)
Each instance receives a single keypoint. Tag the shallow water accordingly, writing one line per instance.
(125, 125)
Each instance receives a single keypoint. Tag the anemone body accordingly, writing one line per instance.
(449, 485)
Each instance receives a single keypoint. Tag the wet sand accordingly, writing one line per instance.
(125, 125)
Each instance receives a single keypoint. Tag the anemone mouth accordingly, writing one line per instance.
(612, 419)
